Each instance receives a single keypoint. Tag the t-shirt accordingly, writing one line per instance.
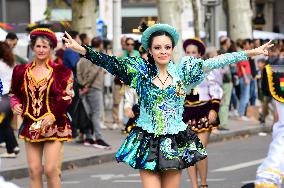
(246, 65)
(5, 76)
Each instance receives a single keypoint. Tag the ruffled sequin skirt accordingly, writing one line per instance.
(196, 117)
(141, 150)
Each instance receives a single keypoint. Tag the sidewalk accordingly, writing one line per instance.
(78, 155)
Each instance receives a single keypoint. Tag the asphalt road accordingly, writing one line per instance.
(231, 164)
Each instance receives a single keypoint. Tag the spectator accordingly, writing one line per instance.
(281, 56)
(90, 77)
(59, 55)
(7, 63)
(248, 44)
(235, 81)
(85, 39)
(12, 40)
(117, 89)
(244, 74)
(265, 100)
(227, 85)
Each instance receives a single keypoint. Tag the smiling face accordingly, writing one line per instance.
(129, 45)
(42, 49)
(161, 49)
(192, 50)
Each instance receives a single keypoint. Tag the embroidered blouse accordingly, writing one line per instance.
(161, 110)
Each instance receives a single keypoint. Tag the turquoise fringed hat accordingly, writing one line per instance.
(158, 27)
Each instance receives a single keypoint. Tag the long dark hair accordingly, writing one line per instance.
(6, 54)
(152, 36)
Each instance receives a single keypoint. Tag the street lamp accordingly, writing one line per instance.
(210, 21)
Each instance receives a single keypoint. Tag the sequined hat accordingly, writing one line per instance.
(45, 32)
(158, 27)
(197, 42)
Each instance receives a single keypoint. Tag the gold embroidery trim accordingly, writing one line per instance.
(45, 139)
(69, 89)
(187, 102)
(267, 185)
(270, 84)
(216, 101)
(37, 84)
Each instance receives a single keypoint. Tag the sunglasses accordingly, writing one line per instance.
(130, 44)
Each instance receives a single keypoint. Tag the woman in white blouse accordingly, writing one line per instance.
(7, 62)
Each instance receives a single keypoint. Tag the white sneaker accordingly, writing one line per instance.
(7, 155)
(16, 150)
(2, 145)
(244, 118)
(102, 125)
(114, 126)
(235, 113)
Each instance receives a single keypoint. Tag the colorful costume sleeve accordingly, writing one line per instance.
(192, 70)
(17, 84)
(127, 70)
(63, 86)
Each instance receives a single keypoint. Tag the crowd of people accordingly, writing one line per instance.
(61, 93)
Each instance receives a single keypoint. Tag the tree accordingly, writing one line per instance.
(195, 19)
(240, 23)
(169, 13)
(84, 14)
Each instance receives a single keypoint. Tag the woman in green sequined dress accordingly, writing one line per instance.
(161, 144)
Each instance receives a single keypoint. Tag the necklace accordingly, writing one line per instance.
(163, 82)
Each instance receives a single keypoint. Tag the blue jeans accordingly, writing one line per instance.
(234, 99)
(252, 92)
(244, 96)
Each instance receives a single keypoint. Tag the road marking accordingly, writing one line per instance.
(108, 176)
(238, 166)
(70, 182)
(127, 181)
(134, 175)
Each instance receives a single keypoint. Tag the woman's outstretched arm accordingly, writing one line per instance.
(230, 58)
(192, 70)
(128, 70)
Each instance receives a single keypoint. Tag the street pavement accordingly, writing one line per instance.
(232, 163)
(78, 155)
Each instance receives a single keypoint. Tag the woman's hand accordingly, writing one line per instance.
(17, 109)
(84, 90)
(129, 113)
(71, 43)
(212, 116)
(47, 120)
(260, 50)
